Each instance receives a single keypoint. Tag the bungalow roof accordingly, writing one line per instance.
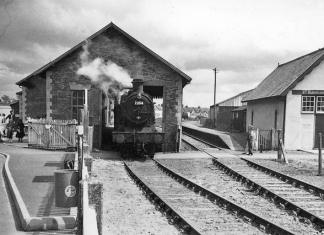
(286, 76)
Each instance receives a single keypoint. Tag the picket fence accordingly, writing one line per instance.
(265, 139)
(52, 134)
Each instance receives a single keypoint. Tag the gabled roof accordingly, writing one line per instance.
(14, 102)
(4, 104)
(241, 108)
(243, 94)
(286, 76)
(204, 109)
(110, 25)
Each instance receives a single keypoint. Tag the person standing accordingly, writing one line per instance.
(20, 131)
(10, 127)
(10, 116)
(250, 141)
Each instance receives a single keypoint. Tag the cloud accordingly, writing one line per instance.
(7, 81)
(245, 40)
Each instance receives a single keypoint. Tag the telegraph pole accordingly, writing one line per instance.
(216, 71)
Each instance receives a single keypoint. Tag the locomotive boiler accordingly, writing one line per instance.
(134, 124)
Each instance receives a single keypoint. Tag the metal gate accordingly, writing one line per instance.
(54, 134)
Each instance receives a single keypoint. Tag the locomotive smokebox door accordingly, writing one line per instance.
(138, 106)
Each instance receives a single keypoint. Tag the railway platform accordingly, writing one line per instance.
(235, 141)
(32, 171)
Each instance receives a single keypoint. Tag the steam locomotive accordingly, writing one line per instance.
(134, 126)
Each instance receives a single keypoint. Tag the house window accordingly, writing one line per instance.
(308, 104)
(320, 104)
(77, 103)
(252, 114)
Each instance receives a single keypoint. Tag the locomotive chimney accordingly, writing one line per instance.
(138, 85)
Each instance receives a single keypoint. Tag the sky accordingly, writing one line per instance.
(243, 39)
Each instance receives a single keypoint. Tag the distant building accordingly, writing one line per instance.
(15, 108)
(225, 114)
(4, 111)
(291, 98)
(158, 109)
(194, 112)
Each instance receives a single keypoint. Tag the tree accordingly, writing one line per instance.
(6, 99)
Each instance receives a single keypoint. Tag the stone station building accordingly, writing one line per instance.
(56, 91)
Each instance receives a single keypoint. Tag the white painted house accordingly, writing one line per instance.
(291, 98)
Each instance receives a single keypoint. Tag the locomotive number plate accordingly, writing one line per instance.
(139, 102)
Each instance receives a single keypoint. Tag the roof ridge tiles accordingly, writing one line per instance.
(300, 57)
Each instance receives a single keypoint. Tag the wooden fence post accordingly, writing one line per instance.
(279, 155)
(320, 170)
(86, 123)
(272, 136)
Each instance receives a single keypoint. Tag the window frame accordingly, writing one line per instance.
(77, 105)
(302, 102)
(317, 102)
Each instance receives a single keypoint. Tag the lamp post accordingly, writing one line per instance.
(216, 71)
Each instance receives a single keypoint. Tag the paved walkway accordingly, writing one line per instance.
(33, 173)
(7, 222)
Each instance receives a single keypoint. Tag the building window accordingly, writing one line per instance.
(77, 103)
(308, 104)
(320, 104)
(252, 114)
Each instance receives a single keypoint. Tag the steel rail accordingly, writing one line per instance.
(161, 204)
(268, 193)
(191, 145)
(285, 178)
(203, 141)
(288, 179)
(261, 190)
(253, 218)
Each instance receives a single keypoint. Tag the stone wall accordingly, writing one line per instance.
(112, 46)
(36, 97)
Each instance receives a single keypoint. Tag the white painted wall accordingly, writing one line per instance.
(300, 127)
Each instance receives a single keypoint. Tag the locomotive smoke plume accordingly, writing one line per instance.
(109, 76)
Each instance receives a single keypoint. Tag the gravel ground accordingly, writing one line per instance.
(204, 173)
(305, 169)
(126, 210)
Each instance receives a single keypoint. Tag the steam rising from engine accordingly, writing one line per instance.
(111, 78)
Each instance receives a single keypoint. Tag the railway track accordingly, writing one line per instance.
(305, 200)
(192, 207)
